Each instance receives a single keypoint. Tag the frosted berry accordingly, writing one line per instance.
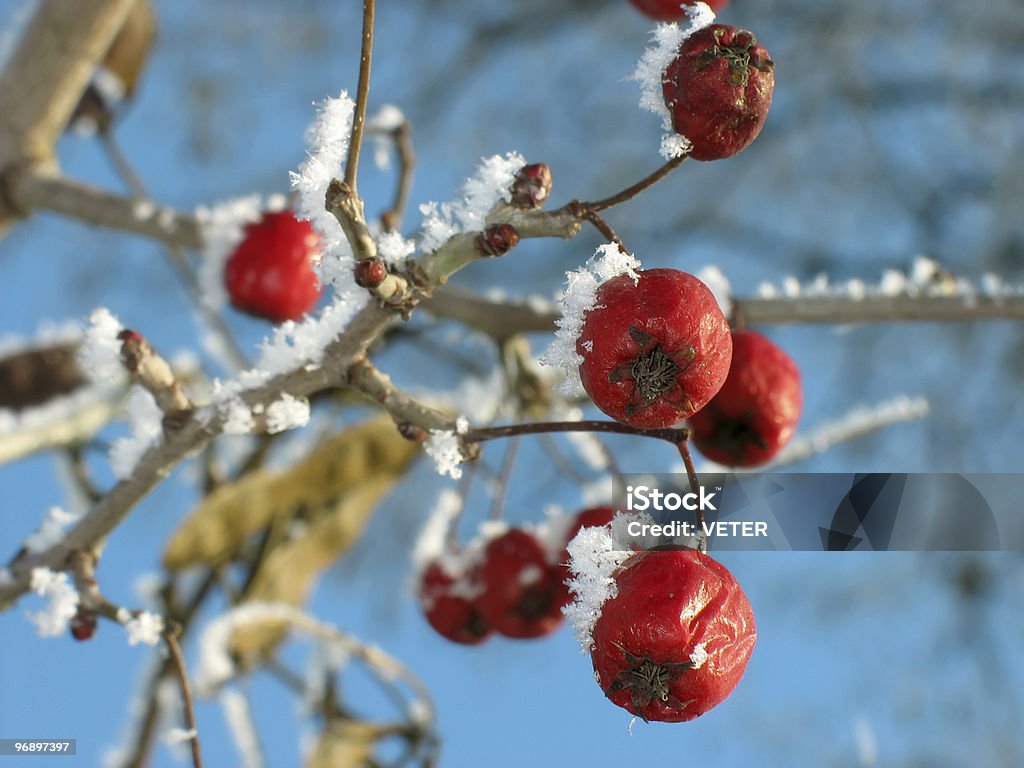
(270, 274)
(654, 352)
(521, 589)
(671, 10)
(755, 412)
(448, 605)
(718, 90)
(675, 640)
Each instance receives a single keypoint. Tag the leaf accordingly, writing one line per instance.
(218, 528)
(288, 573)
(347, 744)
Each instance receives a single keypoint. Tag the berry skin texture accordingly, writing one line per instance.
(671, 10)
(270, 274)
(718, 90)
(656, 352)
(449, 609)
(521, 589)
(675, 641)
(755, 412)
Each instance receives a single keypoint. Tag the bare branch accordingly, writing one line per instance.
(186, 694)
(38, 189)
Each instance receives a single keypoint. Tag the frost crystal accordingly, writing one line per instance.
(145, 627)
(243, 731)
(577, 299)
(62, 605)
(51, 530)
(443, 447)
(147, 426)
(327, 142)
(650, 71)
(592, 560)
(480, 193)
(100, 353)
(387, 120)
(287, 413)
(431, 545)
(222, 228)
(394, 249)
(177, 735)
(237, 416)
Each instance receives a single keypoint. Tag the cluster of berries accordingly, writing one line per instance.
(513, 584)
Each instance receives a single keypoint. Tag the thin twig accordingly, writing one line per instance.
(691, 474)
(362, 95)
(501, 486)
(482, 434)
(632, 191)
(186, 695)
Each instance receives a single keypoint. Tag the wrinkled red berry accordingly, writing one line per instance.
(83, 625)
(718, 90)
(670, 10)
(521, 589)
(270, 274)
(654, 352)
(448, 605)
(675, 641)
(755, 412)
(532, 186)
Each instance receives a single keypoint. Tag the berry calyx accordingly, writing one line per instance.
(270, 273)
(521, 590)
(83, 625)
(654, 351)
(718, 90)
(755, 412)
(449, 607)
(671, 10)
(675, 640)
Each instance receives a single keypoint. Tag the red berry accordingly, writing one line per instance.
(755, 412)
(588, 518)
(670, 10)
(718, 90)
(83, 625)
(448, 604)
(270, 274)
(654, 352)
(675, 641)
(520, 587)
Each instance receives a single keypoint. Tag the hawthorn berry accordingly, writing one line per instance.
(675, 640)
(670, 10)
(718, 90)
(521, 589)
(654, 351)
(449, 607)
(755, 412)
(270, 273)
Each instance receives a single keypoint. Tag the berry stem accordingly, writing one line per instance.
(691, 474)
(630, 192)
(501, 486)
(186, 696)
(672, 435)
(584, 211)
(362, 95)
